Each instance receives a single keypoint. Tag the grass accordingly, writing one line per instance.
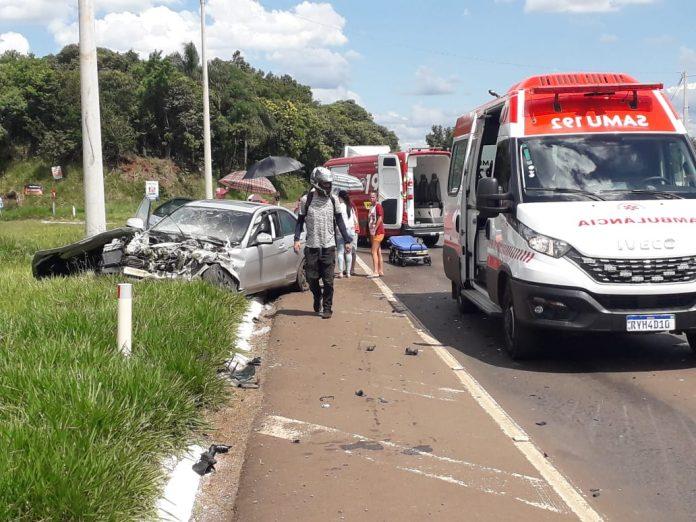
(83, 429)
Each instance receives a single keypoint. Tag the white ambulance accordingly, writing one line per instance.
(571, 207)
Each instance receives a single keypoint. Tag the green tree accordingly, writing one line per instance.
(440, 136)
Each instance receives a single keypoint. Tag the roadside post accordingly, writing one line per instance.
(125, 318)
(53, 201)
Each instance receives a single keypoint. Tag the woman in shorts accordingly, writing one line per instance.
(376, 228)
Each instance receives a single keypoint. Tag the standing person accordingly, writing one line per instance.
(376, 228)
(346, 258)
(320, 211)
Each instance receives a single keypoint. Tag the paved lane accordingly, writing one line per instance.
(619, 413)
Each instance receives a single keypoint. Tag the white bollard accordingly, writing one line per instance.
(74, 213)
(125, 318)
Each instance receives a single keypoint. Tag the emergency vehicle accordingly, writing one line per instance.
(570, 207)
(410, 186)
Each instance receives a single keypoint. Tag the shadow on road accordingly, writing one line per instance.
(480, 337)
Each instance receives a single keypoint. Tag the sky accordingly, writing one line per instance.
(411, 63)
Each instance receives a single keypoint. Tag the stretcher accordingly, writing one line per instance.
(408, 249)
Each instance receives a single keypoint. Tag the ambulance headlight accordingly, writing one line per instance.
(544, 244)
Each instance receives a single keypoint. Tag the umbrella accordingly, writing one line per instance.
(346, 182)
(272, 166)
(235, 180)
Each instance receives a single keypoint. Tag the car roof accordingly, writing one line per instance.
(231, 204)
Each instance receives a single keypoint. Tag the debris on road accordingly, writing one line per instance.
(540, 423)
(370, 348)
(246, 377)
(207, 461)
(411, 351)
(324, 400)
(359, 393)
(595, 492)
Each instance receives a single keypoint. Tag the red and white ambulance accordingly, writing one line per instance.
(411, 187)
(570, 206)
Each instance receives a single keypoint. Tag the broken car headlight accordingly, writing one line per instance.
(544, 244)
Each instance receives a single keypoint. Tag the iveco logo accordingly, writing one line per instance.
(630, 206)
(647, 244)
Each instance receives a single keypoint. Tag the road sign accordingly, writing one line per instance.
(152, 190)
(57, 172)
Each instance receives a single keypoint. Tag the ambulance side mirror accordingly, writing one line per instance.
(489, 200)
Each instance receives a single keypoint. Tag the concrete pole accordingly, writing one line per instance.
(95, 212)
(685, 108)
(207, 155)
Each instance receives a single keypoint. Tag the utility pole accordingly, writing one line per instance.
(685, 107)
(207, 155)
(95, 212)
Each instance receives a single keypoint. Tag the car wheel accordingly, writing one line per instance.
(430, 241)
(521, 342)
(220, 277)
(301, 284)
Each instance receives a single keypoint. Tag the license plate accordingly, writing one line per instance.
(650, 323)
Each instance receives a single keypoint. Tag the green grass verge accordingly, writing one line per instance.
(83, 429)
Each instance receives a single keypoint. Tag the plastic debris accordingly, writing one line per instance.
(370, 348)
(207, 461)
(360, 393)
(411, 351)
(540, 423)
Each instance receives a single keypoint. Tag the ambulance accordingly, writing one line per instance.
(410, 185)
(570, 207)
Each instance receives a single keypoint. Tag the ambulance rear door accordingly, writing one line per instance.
(389, 186)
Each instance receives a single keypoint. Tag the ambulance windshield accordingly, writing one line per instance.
(603, 166)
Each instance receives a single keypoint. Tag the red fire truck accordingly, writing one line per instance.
(411, 187)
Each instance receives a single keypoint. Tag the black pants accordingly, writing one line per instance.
(319, 264)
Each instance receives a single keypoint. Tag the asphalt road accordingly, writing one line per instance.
(615, 414)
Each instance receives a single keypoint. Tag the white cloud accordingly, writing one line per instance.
(332, 95)
(430, 84)
(412, 128)
(677, 97)
(304, 41)
(580, 6)
(13, 42)
(41, 11)
(608, 38)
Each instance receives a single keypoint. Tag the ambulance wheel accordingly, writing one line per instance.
(691, 337)
(463, 304)
(430, 241)
(521, 342)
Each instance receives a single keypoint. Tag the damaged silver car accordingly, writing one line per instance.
(238, 245)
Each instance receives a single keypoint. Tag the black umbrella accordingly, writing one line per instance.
(272, 166)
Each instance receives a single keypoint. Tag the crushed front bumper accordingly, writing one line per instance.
(574, 309)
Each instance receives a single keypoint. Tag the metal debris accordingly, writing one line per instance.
(411, 351)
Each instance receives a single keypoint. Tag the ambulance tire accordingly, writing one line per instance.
(691, 337)
(521, 342)
(463, 304)
(430, 241)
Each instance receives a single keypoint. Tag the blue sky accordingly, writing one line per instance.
(410, 63)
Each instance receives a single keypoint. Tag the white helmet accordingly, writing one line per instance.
(321, 179)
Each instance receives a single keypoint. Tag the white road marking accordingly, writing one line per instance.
(459, 472)
(571, 496)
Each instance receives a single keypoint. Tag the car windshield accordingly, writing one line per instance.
(224, 225)
(603, 166)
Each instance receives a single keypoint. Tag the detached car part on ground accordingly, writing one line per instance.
(237, 245)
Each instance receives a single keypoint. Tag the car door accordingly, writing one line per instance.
(280, 253)
(291, 261)
(255, 268)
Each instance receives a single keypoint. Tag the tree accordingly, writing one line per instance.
(440, 136)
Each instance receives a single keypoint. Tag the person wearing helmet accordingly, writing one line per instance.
(321, 212)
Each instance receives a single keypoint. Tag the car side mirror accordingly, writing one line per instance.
(263, 239)
(489, 200)
(135, 222)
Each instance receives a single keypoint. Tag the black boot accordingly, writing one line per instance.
(326, 314)
(317, 304)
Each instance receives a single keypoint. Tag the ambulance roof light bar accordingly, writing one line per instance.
(590, 89)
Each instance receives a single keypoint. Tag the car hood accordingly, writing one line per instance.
(617, 229)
